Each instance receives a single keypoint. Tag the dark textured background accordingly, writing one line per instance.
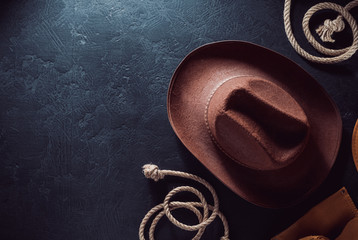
(83, 107)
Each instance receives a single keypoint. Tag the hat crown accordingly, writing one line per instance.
(257, 123)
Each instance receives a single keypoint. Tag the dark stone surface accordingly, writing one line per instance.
(83, 107)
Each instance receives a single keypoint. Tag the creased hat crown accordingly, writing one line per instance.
(257, 123)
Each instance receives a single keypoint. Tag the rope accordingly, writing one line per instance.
(153, 172)
(325, 32)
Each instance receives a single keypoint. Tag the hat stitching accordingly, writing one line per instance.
(212, 136)
(207, 122)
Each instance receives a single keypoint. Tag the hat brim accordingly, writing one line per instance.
(209, 66)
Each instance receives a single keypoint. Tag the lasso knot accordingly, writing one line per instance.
(329, 27)
(152, 171)
(325, 32)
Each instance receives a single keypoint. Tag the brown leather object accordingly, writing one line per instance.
(335, 216)
(256, 120)
(350, 231)
(355, 145)
(314, 238)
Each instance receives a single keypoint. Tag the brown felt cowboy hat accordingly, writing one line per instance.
(256, 120)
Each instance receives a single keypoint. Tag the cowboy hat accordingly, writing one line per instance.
(256, 120)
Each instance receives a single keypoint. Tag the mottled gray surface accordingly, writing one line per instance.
(83, 107)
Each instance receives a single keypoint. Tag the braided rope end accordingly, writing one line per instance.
(329, 27)
(152, 171)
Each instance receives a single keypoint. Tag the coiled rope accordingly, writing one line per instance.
(153, 172)
(325, 32)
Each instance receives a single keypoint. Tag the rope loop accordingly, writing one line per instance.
(325, 32)
(175, 221)
(152, 171)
